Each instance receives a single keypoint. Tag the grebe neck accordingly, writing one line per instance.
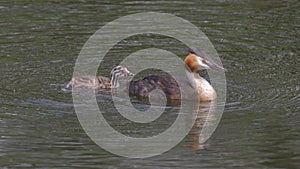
(113, 80)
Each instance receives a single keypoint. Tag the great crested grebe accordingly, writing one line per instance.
(170, 87)
(100, 81)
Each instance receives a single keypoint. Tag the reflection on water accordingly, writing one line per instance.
(257, 42)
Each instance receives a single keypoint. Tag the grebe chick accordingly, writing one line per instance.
(100, 82)
(167, 84)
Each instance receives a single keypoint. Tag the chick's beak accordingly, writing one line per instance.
(127, 73)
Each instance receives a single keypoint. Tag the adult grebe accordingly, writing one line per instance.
(100, 81)
(170, 87)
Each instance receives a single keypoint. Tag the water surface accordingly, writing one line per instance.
(258, 42)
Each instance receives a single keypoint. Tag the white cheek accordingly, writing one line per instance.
(201, 64)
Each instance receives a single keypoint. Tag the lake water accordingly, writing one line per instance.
(258, 42)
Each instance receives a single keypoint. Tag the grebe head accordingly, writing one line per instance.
(116, 72)
(198, 60)
(120, 71)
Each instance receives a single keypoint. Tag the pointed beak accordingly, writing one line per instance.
(127, 73)
(207, 62)
(215, 66)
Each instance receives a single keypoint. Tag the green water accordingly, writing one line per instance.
(258, 42)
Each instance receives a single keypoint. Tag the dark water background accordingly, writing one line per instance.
(258, 42)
